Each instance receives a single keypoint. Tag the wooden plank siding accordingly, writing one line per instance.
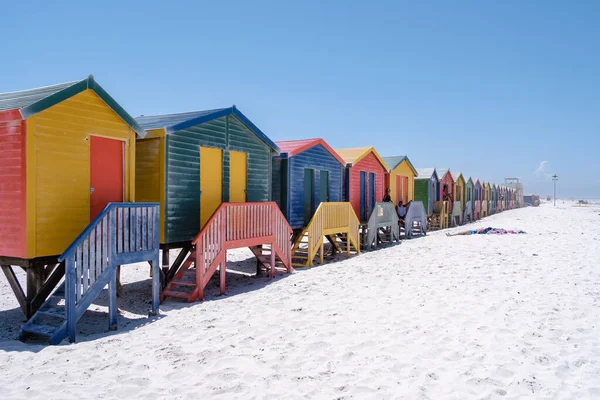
(318, 159)
(368, 164)
(58, 169)
(149, 173)
(405, 172)
(425, 192)
(12, 186)
(182, 193)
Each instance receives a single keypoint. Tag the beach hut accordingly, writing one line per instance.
(66, 152)
(400, 178)
(425, 187)
(364, 178)
(469, 199)
(192, 162)
(211, 173)
(498, 199)
(493, 199)
(486, 199)
(446, 187)
(305, 174)
(459, 189)
(477, 197)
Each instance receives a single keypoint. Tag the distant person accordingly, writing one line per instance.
(401, 211)
(387, 198)
(408, 206)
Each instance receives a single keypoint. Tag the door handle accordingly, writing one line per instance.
(92, 190)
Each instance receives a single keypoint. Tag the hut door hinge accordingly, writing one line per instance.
(92, 190)
(246, 191)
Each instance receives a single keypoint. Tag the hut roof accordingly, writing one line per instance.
(290, 148)
(457, 175)
(393, 162)
(442, 172)
(426, 173)
(33, 101)
(176, 122)
(353, 156)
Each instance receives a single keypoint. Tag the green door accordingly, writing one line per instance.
(323, 186)
(309, 190)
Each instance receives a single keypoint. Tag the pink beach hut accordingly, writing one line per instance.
(446, 187)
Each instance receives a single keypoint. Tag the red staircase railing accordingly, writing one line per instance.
(236, 225)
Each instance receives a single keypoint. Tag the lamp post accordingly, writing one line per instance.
(554, 178)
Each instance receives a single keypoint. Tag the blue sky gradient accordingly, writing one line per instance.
(491, 88)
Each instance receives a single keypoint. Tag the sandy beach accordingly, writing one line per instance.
(466, 317)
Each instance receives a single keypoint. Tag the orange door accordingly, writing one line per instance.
(106, 173)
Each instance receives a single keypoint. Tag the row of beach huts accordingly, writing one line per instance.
(86, 188)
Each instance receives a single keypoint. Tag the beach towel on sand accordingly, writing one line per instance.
(488, 231)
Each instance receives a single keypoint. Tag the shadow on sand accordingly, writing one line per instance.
(134, 306)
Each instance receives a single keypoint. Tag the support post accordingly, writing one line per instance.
(321, 251)
(112, 301)
(11, 277)
(223, 272)
(273, 259)
(155, 285)
(70, 303)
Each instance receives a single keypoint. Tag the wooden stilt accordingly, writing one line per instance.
(58, 271)
(272, 261)
(16, 287)
(223, 273)
(112, 301)
(156, 287)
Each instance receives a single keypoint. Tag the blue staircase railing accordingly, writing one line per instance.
(123, 233)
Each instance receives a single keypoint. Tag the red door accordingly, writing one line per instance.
(106, 173)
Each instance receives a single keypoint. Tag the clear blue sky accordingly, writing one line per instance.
(490, 88)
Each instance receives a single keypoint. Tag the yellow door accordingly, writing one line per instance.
(237, 176)
(211, 182)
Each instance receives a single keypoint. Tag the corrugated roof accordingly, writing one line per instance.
(33, 101)
(176, 122)
(290, 148)
(24, 98)
(425, 173)
(168, 120)
(354, 155)
(442, 172)
(394, 161)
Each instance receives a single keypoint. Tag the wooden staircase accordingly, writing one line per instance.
(123, 233)
(259, 226)
(439, 218)
(335, 222)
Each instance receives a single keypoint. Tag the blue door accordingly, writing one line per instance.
(309, 191)
(437, 192)
(430, 197)
(372, 199)
(363, 195)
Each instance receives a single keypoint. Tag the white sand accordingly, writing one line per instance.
(513, 316)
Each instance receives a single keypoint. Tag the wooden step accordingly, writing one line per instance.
(42, 330)
(175, 293)
(181, 283)
(298, 265)
(52, 312)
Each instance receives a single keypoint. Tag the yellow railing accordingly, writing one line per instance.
(441, 208)
(329, 219)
